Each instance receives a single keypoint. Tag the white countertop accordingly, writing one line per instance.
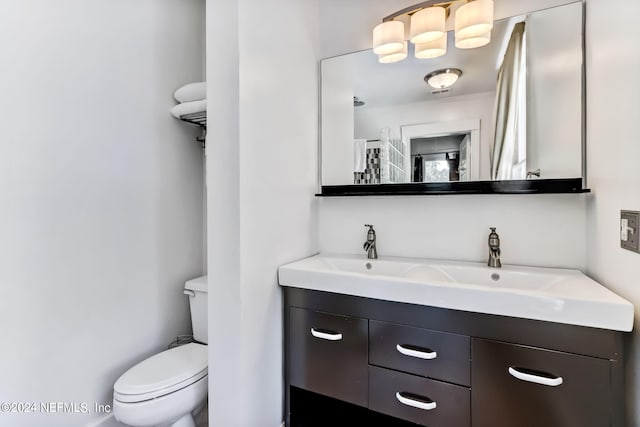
(549, 294)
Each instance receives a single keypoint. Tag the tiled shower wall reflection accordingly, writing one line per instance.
(371, 174)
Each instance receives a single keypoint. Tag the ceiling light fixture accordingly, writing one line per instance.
(427, 24)
(432, 49)
(474, 21)
(473, 41)
(388, 37)
(395, 56)
(473, 24)
(444, 78)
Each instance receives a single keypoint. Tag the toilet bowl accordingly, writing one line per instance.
(163, 390)
(166, 389)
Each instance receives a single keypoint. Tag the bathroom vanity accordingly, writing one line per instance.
(352, 359)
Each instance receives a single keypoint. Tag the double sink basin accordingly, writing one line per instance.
(549, 294)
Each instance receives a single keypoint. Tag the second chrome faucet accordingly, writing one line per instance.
(494, 249)
(370, 244)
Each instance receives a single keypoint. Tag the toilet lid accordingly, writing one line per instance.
(162, 373)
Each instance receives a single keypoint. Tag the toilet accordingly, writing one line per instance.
(166, 389)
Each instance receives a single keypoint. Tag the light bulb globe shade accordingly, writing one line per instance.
(427, 25)
(474, 19)
(444, 78)
(432, 49)
(395, 56)
(388, 37)
(473, 42)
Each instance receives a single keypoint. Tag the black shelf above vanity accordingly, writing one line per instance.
(530, 186)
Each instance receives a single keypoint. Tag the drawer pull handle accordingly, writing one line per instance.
(428, 355)
(553, 382)
(326, 335)
(426, 406)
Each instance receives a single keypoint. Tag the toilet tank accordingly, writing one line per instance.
(197, 291)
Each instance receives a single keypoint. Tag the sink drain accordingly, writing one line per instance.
(368, 265)
(495, 277)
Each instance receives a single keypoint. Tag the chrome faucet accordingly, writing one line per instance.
(494, 249)
(535, 173)
(370, 244)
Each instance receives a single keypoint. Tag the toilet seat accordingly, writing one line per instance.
(162, 374)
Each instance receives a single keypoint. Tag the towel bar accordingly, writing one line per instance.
(200, 119)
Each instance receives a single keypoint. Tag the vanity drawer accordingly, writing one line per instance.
(431, 354)
(417, 399)
(507, 389)
(328, 354)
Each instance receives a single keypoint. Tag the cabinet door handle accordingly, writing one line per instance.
(326, 335)
(553, 382)
(427, 406)
(416, 353)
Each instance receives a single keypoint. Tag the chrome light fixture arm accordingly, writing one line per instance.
(410, 10)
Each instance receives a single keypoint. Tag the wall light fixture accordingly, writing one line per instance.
(473, 24)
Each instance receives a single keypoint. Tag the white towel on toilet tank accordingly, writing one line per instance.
(191, 92)
(189, 108)
(359, 155)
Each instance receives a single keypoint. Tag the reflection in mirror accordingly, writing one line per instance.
(509, 153)
(515, 111)
(446, 146)
(437, 159)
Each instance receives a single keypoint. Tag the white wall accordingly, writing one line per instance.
(613, 160)
(101, 218)
(226, 355)
(262, 178)
(544, 230)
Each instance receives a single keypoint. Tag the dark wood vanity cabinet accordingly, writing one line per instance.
(417, 399)
(331, 355)
(446, 368)
(532, 387)
(432, 354)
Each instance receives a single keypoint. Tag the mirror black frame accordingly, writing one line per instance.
(532, 186)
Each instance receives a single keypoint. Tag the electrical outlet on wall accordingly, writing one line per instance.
(629, 221)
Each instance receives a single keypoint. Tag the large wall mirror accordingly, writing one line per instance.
(384, 126)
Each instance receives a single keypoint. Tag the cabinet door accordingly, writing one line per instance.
(432, 354)
(514, 385)
(328, 354)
